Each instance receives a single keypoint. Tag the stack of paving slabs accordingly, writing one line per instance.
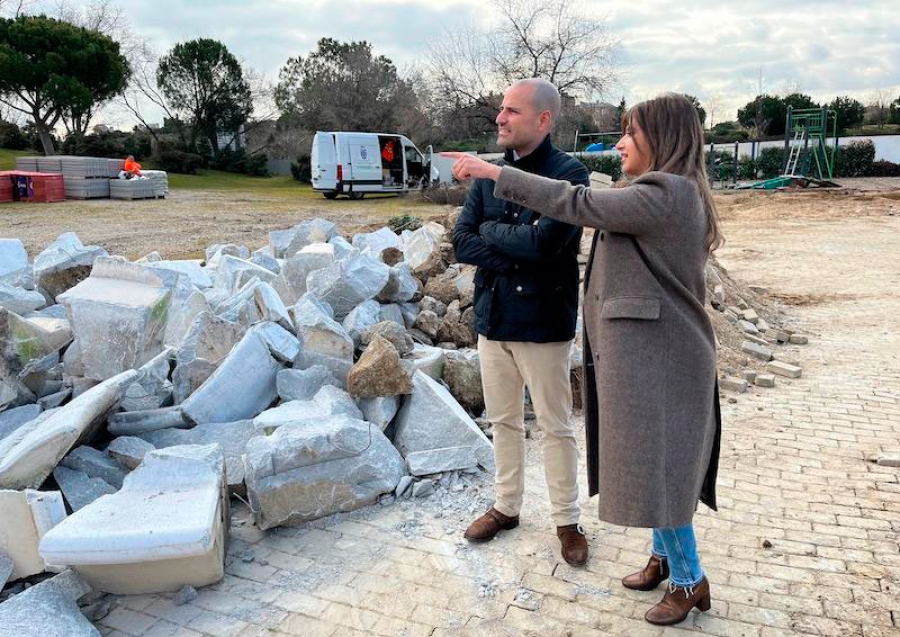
(28, 164)
(160, 179)
(132, 188)
(86, 177)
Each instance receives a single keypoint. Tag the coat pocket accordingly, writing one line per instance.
(631, 307)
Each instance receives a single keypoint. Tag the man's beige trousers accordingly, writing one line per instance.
(506, 369)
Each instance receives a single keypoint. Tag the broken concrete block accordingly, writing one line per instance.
(380, 371)
(307, 470)
(78, 488)
(797, 339)
(152, 388)
(164, 529)
(14, 266)
(188, 377)
(286, 243)
(402, 285)
(328, 401)
(19, 300)
(429, 360)
(764, 380)
(361, 318)
(65, 263)
(29, 455)
(462, 373)
(319, 333)
(731, 383)
(780, 368)
(242, 386)
(95, 464)
(129, 423)
(748, 327)
(432, 419)
(751, 316)
(231, 437)
(129, 451)
(749, 375)
(423, 463)
(48, 609)
(395, 334)
(27, 516)
(380, 410)
(119, 315)
(348, 283)
(303, 384)
(374, 243)
(756, 351)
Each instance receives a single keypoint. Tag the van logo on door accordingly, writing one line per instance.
(363, 153)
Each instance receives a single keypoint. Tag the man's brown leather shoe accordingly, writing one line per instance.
(678, 602)
(489, 525)
(654, 574)
(574, 544)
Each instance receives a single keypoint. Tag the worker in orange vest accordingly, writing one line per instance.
(132, 166)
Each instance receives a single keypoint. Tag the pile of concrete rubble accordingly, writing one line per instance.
(310, 377)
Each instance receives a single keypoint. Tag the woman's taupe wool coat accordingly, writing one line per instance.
(651, 396)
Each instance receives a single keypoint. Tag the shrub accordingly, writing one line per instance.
(746, 168)
(770, 162)
(110, 144)
(177, 161)
(240, 161)
(301, 170)
(855, 159)
(12, 137)
(885, 169)
(446, 194)
(724, 168)
(607, 164)
(404, 222)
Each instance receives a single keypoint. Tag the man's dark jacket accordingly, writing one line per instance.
(526, 285)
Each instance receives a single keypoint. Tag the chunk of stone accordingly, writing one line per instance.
(328, 401)
(748, 327)
(264, 259)
(195, 273)
(311, 469)
(749, 375)
(423, 463)
(286, 243)
(462, 373)
(270, 306)
(19, 300)
(731, 383)
(78, 488)
(24, 342)
(188, 377)
(432, 419)
(422, 249)
(764, 380)
(216, 252)
(423, 489)
(163, 530)
(303, 384)
(234, 273)
(27, 516)
(52, 401)
(443, 288)
(152, 388)
(431, 304)
(65, 263)
(429, 360)
(348, 283)
(14, 266)
(12, 419)
(318, 332)
(392, 312)
(244, 384)
(391, 256)
(6, 568)
(780, 368)
(889, 460)
(291, 284)
(209, 337)
(402, 285)
(186, 595)
(29, 455)
(797, 339)
(129, 451)
(119, 315)
(129, 423)
(394, 333)
(380, 372)
(465, 283)
(361, 318)
(342, 248)
(96, 464)
(457, 326)
(48, 609)
(380, 410)
(756, 351)
(404, 485)
(374, 243)
(751, 316)
(231, 437)
(410, 312)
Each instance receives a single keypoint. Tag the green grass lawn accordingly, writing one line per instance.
(276, 186)
(8, 157)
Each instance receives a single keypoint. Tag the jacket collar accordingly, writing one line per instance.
(533, 160)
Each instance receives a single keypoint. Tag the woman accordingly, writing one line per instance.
(651, 396)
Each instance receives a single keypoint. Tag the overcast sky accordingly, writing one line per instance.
(820, 47)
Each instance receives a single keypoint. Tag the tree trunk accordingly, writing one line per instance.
(46, 139)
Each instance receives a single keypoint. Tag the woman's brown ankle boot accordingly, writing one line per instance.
(678, 602)
(654, 574)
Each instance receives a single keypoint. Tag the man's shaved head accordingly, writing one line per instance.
(545, 95)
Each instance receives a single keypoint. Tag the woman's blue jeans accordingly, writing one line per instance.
(679, 548)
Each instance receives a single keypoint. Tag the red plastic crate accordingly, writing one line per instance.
(37, 187)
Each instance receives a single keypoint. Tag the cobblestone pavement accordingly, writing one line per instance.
(805, 541)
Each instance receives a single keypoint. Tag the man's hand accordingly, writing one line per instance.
(469, 167)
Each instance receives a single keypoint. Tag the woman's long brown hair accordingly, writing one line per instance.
(672, 128)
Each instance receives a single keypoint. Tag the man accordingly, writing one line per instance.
(526, 300)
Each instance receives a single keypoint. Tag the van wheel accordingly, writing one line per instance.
(331, 194)
(356, 195)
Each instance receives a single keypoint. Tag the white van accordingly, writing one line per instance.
(356, 163)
